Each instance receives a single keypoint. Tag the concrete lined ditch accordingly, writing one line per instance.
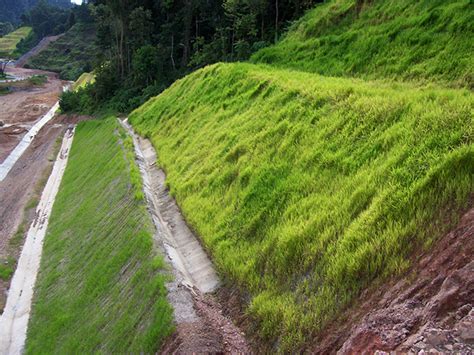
(14, 320)
(201, 325)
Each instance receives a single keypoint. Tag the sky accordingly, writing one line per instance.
(77, 1)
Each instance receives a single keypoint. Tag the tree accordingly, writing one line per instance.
(141, 27)
(147, 65)
(5, 28)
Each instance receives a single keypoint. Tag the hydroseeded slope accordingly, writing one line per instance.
(429, 40)
(306, 189)
(8, 43)
(100, 287)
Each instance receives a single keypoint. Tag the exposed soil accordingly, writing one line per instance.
(213, 332)
(21, 108)
(37, 49)
(430, 310)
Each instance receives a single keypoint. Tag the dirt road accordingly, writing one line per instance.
(18, 113)
(14, 320)
(21, 109)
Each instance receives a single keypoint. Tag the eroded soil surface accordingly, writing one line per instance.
(21, 108)
(431, 310)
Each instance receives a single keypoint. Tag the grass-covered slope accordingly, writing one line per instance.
(306, 189)
(403, 39)
(100, 288)
(84, 80)
(8, 43)
(71, 55)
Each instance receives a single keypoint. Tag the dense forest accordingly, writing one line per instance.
(145, 45)
(12, 10)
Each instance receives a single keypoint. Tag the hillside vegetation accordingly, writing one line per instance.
(100, 288)
(306, 189)
(71, 55)
(403, 39)
(8, 43)
(11, 10)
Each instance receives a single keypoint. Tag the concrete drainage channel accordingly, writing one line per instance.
(201, 325)
(14, 320)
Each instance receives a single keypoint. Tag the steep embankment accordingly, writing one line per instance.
(307, 189)
(70, 55)
(404, 39)
(100, 287)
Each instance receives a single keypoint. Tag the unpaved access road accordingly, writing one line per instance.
(202, 326)
(14, 320)
(19, 110)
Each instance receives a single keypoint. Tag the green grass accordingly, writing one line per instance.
(38, 80)
(100, 288)
(8, 43)
(307, 189)
(404, 40)
(7, 268)
(71, 55)
(84, 80)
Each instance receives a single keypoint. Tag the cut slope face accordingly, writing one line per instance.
(100, 287)
(403, 39)
(306, 189)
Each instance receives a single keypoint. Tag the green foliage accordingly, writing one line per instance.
(71, 55)
(6, 28)
(25, 44)
(38, 80)
(306, 189)
(47, 20)
(6, 268)
(13, 10)
(8, 43)
(402, 40)
(84, 80)
(100, 287)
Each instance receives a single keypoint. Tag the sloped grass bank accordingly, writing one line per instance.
(403, 39)
(71, 55)
(8, 43)
(307, 189)
(100, 287)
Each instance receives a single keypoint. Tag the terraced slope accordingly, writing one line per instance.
(402, 40)
(100, 287)
(307, 189)
(71, 55)
(8, 43)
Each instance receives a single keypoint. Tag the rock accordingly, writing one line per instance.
(463, 311)
(466, 332)
(435, 337)
(2, 123)
(420, 345)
